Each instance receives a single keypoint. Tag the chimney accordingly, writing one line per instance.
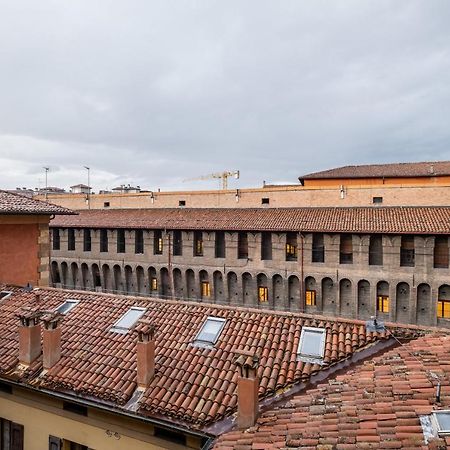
(51, 337)
(248, 387)
(29, 335)
(145, 349)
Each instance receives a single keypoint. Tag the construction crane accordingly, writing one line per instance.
(222, 175)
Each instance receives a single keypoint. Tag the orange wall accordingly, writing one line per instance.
(19, 254)
(397, 181)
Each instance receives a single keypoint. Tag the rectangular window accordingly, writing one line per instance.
(120, 241)
(56, 239)
(181, 202)
(177, 243)
(318, 249)
(206, 289)
(12, 435)
(220, 244)
(383, 303)
(376, 250)
(407, 254)
(443, 309)
(128, 320)
(441, 252)
(87, 243)
(291, 246)
(312, 345)
(68, 305)
(266, 245)
(265, 201)
(377, 200)
(310, 298)
(198, 243)
(263, 294)
(242, 245)
(70, 239)
(442, 420)
(138, 242)
(346, 249)
(154, 284)
(158, 243)
(210, 331)
(103, 241)
(105, 204)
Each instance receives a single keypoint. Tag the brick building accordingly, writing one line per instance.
(350, 262)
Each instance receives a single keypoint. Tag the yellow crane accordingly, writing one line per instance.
(221, 175)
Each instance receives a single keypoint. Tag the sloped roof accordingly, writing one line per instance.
(375, 405)
(193, 386)
(395, 170)
(399, 220)
(12, 203)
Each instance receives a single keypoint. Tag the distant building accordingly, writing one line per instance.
(126, 189)
(80, 189)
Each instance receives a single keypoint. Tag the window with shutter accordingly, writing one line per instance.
(54, 443)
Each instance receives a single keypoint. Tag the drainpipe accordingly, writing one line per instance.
(302, 282)
(169, 264)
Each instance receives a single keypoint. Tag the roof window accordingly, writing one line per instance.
(442, 421)
(128, 320)
(67, 306)
(209, 332)
(5, 294)
(312, 345)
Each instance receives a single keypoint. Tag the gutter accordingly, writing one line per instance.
(102, 407)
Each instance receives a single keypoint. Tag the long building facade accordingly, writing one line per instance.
(392, 263)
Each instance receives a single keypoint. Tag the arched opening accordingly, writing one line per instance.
(232, 287)
(294, 293)
(423, 304)
(310, 294)
(278, 287)
(383, 300)
(364, 307)
(402, 302)
(96, 279)
(140, 279)
(165, 283)
(178, 283)
(219, 295)
(129, 286)
(153, 281)
(328, 296)
(117, 273)
(263, 290)
(443, 304)
(75, 276)
(85, 278)
(190, 283)
(345, 298)
(205, 286)
(247, 291)
(64, 274)
(56, 278)
(107, 278)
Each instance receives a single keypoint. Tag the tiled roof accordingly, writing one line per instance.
(192, 385)
(11, 203)
(375, 405)
(415, 169)
(401, 220)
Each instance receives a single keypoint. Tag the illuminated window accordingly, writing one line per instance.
(263, 294)
(383, 303)
(443, 309)
(198, 243)
(206, 289)
(310, 298)
(154, 284)
(291, 251)
(157, 242)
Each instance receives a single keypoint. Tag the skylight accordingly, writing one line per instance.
(442, 419)
(67, 306)
(128, 320)
(312, 345)
(5, 294)
(210, 331)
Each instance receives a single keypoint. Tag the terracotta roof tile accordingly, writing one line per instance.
(193, 385)
(366, 414)
(11, 203)
(394, 170)
(399, 220)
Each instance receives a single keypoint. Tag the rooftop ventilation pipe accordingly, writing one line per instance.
(29, 335)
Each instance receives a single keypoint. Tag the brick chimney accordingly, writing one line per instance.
(51, 338)
(29, 335)
(145, 349)
(248, 386)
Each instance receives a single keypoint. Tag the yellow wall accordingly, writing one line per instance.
(41, 420)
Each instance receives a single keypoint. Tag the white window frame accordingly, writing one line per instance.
(116, 328)
(314, 359)
(203, 343)
(72, 302)
(435, 422)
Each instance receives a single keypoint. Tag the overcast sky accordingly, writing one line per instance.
(153, 92)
